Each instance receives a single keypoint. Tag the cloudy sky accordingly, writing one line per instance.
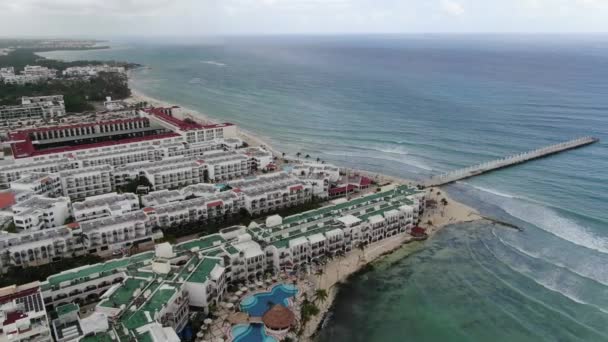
(210, 17)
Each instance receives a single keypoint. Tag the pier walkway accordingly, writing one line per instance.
(471, 171)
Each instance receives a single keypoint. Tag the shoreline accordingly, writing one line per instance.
(338, 271)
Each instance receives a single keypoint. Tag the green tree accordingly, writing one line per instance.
(320, 296)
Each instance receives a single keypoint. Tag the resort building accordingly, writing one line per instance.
(192, 150)
(299, 240)
(271, 192)
(23, 317)
(213, 207)
(147, 295)
(43, 73)
(34, 248)
(49, 101)
(81, 183)
(150, 294)
(191, 130)
(116, 233)
(40, 212)
(11, 172)
(69, 326)
(33, 109)
(111, 204)
(198, 190)
(225, 166)
(6, 72)
(92, 70)
(260, 159)
(161, 197)
(317, 170)
(40, 183)
(122, 157)
(164, 174)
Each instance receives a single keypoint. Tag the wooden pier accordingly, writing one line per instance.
(475, 170)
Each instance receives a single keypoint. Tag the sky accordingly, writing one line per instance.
(99, 18)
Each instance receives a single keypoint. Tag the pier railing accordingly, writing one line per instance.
(474, 170)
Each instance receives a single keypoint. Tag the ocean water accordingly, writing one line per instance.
(417, 105)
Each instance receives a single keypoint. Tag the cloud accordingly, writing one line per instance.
(91, 7)
(452, 7)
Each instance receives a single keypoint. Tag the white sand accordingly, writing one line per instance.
(248, 137)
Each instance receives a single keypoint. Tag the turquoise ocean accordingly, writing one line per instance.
(416, 105)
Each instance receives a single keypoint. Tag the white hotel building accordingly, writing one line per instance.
(33, 248)
(23, 317)
(300, 239)
(164, 174)
(225, 166)
(111, 204)
(40, 183)
(201, 209)
(86, 182)
(271, 192)
(116, 232)
(14, 171)
(122, 157)
(161, 197)
(40, 212)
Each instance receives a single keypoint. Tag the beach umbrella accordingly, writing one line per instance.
(259, 284)
(229, 306)
(268, 281)
(244, 289)
(200, 334)
(239, 293)
(208, 321)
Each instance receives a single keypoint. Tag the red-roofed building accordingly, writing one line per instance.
(190, 129)
(214, 204)
(7, 199)
(24, 313)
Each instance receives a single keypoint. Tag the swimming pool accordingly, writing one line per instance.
(256, 305)
(250, 333)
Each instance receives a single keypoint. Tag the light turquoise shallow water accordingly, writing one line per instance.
(416, 105)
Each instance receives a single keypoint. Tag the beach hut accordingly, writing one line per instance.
(278, 319)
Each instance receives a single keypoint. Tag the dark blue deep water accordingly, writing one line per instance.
(412, 106)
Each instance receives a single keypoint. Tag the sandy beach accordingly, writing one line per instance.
(443, 211)
(248, 137)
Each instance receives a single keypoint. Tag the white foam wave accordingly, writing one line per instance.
(392, 150)
(405, 161)
(552, 282)
(589, 272)
(195, 80)
(549, 221)
(214, 63)
(491, 191)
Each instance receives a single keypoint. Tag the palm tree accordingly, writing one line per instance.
(318, 159)
(307, 156)
(283, 155)
(320, 296)
(298, 154)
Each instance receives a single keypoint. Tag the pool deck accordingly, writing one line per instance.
(221, 327)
